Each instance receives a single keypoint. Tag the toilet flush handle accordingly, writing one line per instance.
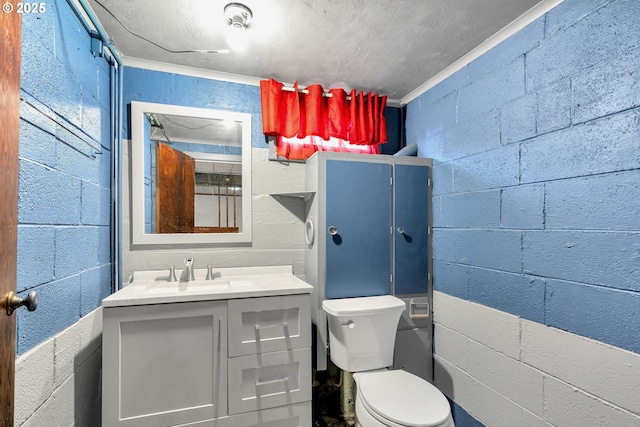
(349, 324)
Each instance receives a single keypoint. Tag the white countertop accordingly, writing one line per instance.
(153, 287)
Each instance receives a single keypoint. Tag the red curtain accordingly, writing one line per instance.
(293, 117)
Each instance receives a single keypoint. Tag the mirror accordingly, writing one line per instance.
(190, 175)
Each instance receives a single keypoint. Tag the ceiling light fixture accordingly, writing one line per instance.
(238, 16)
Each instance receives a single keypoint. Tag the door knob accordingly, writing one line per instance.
(401, 230)
(333, 230)
(14, 301)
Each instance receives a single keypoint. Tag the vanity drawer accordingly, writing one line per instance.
(261, 325)
(268, 380)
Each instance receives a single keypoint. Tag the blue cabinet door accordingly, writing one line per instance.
(411, 220)
(358, 205)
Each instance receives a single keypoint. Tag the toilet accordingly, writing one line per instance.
(362, 334)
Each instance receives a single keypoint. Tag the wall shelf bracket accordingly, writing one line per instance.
(296, 202)
(97, 46)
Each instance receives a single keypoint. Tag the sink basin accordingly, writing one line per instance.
(153, 287)
(215, 285)
(194, 285)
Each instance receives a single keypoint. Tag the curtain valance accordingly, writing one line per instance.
(293, 114)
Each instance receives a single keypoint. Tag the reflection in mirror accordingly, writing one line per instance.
(197, 156)
(190, 169)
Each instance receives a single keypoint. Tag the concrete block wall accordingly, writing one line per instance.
(278, 229)
(505, 370)
(64, 219)
(536, 182)
(64, 206)
(58, 382)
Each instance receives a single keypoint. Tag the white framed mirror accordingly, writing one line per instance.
(190, 175)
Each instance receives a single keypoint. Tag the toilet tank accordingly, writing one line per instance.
(362, 331)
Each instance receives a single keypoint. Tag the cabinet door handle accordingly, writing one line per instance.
(219, 336)
(279, 380)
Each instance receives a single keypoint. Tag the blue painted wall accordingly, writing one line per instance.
(536, 149)
(168, 88)
(177, 89)
(64, 207)
(395, 130)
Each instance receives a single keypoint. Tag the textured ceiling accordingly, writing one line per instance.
(386, 46)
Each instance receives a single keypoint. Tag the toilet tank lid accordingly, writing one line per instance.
(362, 306)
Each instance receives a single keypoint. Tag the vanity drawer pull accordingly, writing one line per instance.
(279, 380)
(284, 325)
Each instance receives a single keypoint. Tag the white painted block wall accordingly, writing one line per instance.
(58, 383)
(278, 233)
(508, 371)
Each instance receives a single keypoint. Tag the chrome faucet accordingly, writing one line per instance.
(188, 262)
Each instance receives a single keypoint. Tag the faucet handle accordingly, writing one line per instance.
(209, 272)
(172, 274)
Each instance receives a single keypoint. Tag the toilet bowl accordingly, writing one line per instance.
(397, 398)
(362, 335)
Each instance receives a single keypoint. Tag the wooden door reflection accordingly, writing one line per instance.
(176, 191)
(175, 186)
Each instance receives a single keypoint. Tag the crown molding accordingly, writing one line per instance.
(519, 23)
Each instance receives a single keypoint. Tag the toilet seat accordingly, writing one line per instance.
(398, 398)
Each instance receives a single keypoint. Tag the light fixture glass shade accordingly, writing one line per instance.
(237, 38)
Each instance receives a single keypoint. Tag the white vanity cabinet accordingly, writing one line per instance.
(241, 361)
(164, 364)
